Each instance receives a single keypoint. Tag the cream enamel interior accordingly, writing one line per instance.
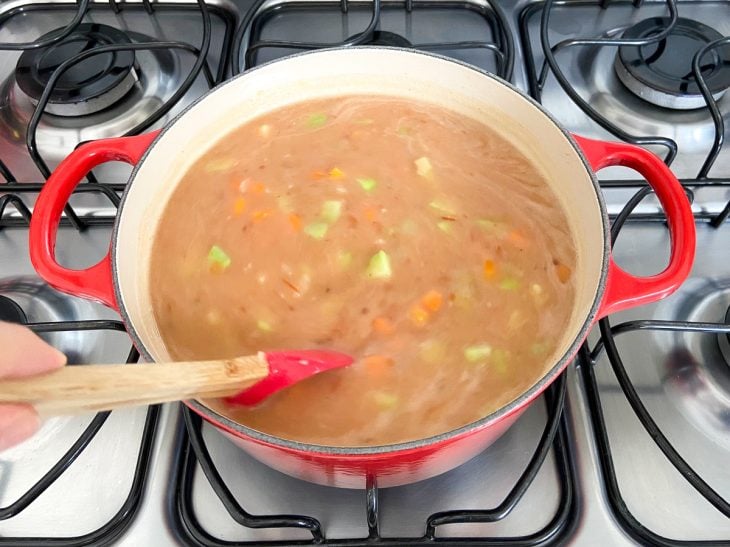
(353, 71)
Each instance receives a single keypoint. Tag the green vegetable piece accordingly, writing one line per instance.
(379, 266)
(442, 207)
(317, 120)
(386, 401)
(432, 352)
(218, 256)
(445, 226)
(478, 352)
(368, 184)
(285, 203)
(424, 167)
(500, 361)
(509, 284)
(344, 259)
(492, 227)
(264, 325)
(404, 130)
(219, 165)
(539, 348)
(317, 230)
(331, 210)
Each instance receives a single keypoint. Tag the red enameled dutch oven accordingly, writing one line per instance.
(121, 279)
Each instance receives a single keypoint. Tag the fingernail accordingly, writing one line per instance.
(60, 357)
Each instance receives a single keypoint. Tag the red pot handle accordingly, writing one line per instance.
(94, 282)
(624, 290)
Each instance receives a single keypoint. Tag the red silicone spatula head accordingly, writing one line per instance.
(287, 368)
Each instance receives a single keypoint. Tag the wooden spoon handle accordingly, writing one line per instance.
(84, 388)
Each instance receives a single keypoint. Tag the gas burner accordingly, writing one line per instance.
(385, 38)
(89, 86)
(661, 72)
(696, 372)
(26, 299)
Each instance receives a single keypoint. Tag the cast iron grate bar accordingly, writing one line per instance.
(191, 451)
(131, 504)
(537, 79)
(588, 358)
(84, 7)
(502, 47)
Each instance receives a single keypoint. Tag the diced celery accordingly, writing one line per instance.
(344, 259)
(317, 120)
(445, 226)
(379, 266)
(218, 165)
(264, 325)
(509, 283)
(331, 210)
(432, 352)
(317, 230)
(477, 352)
(368, 184)
(539, 348)
(386, 401)
(424, 167)
(492, 227)
(218, 256)
(442, 207)
(285, 203)
(500, 361)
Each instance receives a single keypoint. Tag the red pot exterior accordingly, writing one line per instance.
(389, 468)
(408, 462)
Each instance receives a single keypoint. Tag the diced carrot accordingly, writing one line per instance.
(336, 173)
(239, 206)
(383, 325)
(418, 316)
(296, 221)
(371, 213)
(563, 272)
(258, 188)
(518, 239)
(490, 269)
(432, 300)
(261, 214)
(318, 175)
(378, 366)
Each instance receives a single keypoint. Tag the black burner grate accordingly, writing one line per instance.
(538, 74)
(192, 452)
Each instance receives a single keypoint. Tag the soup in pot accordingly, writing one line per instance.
(412, 237)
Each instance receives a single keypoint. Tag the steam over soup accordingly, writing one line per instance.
(414, 238)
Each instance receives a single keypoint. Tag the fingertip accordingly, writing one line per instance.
(17, 423)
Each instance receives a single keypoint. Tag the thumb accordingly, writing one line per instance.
(23, 353)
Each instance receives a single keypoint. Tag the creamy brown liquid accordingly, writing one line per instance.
(412, 237)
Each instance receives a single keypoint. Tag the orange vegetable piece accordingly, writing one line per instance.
(563, 272)
(261, 214)
(258, 188)
(378, 366)
(318, 175)
(518, 239)
(239, 206)
(490, 269)
(432, 300)
(296, 221)
(383, 325)
(418, 316)
(336, 173)
(371, 213)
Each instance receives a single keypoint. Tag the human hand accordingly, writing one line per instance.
(22, 353)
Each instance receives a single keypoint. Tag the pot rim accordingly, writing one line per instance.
(516, 404)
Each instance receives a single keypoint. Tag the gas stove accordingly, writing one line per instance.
(630, 446)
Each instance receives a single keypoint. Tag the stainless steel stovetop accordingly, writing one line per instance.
(159, 477)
